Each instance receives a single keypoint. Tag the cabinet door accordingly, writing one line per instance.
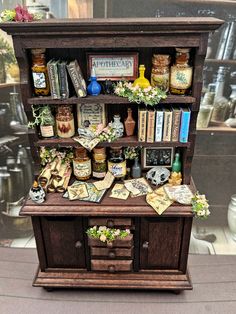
(160, 243)
(63, 241)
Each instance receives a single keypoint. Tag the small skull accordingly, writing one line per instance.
(158, 175)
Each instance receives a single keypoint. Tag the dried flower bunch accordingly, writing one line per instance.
(132, 152)
(105, 234)
(149, 96)
(19, 14)
(47, 155)
(200, 206)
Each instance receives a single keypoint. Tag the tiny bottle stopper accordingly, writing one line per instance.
(93, 72)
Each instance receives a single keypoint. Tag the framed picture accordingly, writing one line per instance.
(157, 156)
(91, 114)
(114, 66)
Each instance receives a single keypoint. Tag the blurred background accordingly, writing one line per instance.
(214, 164)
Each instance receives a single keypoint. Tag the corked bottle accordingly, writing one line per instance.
(160, 71)
(39, 72)
(82, 164)
(99, 163)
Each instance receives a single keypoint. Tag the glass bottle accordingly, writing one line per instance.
(176, 166)
(232, 216)
(160, 75)
(220, 106)
(231, 121)
(65, 122)
(117, 163)
(39, 72)
(17, 109)
(47, 125)
(181, 73)
(141, 81)
(82, 164)
(136, 169)
(118, 126)
(206, 108)
(99, 163)
(94, 88)
(129, 124)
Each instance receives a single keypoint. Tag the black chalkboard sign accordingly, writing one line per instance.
(157, 156)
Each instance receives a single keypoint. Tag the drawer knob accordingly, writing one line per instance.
(109, 244)
(78, 245)
(145, 245)
(111, 268)
(110, 223)
(112, 254)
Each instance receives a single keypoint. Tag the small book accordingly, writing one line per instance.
(175, 124)
(142, 125)
(53, 79)
(150, 126)
(77, 78)
(63, 79)
(167, 126)
(159, 125)
(184, 125)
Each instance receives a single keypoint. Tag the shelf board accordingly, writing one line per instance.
(219, 61)
(217, 130)
(56, 205)
(123, 141)
(106, 99)
(5, 85)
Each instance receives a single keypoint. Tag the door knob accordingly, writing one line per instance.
(111, 268)
(78, 245)
(145, 245)
(112, 254)
(110, 223)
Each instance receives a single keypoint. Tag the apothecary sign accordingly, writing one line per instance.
(115, 66)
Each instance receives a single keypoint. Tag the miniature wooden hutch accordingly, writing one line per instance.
(155, 254)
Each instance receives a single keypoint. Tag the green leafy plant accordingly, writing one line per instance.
(105, 234)
(47, 155)
(6, 52)
(149, 96)
(41, 116)
(132, 152)
(200, 206)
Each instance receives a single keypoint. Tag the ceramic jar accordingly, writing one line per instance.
(118, 126)
(232, 216)
(65, 122)
(129, 124)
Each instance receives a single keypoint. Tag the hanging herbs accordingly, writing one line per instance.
(48, 155)
(42, 115)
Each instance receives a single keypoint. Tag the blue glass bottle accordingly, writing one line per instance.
(94, 88)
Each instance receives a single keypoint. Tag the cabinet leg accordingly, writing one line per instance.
(176, 291)
(48, 289)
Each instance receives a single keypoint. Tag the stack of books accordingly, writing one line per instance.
(164, 124)
(58, 79)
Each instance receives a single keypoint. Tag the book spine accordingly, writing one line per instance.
(77, 79)
(167, 126)
(63, 81)
(175, 125)
(159, 126)
(142, 125)
(150, 126)
(53, 79)
(184, 126)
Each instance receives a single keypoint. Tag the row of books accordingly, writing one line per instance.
(165, 124)
(58, 78)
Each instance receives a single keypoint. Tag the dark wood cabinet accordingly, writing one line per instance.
(155, 254)
(160, 243)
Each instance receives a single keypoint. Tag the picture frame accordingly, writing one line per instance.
(157, 157)
(114, 66)
(91, 114)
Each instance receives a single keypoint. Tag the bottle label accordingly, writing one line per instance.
(99, 175)
(39, 80)
(46, 130)
(117, 169)
(82, 169)
(181, 78)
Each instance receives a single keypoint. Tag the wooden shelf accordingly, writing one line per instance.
(106, 99)
(5, 85)
(123, 141)
(55, 204)
(219, 61)
(217, 130)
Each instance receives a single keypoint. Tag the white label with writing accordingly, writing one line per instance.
(39, 80)
(82, 169)
(46, 130)
(117, 169)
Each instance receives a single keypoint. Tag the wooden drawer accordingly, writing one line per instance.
(111, 253)
(110, 222)
(125, 242)
(112, 266)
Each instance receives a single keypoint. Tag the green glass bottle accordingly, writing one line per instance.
(176, 167)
